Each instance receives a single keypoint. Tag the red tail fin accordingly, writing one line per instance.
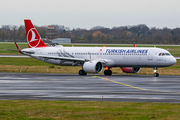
(33, 37)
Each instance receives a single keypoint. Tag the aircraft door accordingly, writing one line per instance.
(41, 52)
(150, 54)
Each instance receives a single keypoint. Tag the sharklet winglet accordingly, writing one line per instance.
(19, 49)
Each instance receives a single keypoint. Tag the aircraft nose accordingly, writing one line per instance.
(173, 61)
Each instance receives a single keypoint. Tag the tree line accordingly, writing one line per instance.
(137, 34)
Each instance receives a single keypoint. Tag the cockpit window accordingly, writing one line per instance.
(168, 54)
(164, 54)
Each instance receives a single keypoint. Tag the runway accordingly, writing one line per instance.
(129, 88)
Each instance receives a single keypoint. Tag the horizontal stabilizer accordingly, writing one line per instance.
(11, 50)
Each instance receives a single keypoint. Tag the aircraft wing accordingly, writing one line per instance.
(60, 58)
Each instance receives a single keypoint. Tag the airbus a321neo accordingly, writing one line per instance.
(94, 59)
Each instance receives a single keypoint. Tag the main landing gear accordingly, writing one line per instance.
(82, 72)
(155, 72)
(108, 72)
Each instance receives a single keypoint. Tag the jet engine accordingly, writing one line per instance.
(93, 66)
(130, 69)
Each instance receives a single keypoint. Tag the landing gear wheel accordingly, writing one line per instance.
(156, 74)
(107, 72)
(82, 72)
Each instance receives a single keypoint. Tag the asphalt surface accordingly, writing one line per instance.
(133, 88)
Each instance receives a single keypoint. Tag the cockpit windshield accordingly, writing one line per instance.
(168, 54)
(164, 54)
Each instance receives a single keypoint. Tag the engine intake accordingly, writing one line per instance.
(131, 69)
(93, 66)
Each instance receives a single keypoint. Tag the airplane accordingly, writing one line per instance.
(94, 59)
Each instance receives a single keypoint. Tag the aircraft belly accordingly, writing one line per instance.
(36, 57)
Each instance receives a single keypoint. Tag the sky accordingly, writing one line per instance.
(89, 13)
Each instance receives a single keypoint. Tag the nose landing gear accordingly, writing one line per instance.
(155, 72)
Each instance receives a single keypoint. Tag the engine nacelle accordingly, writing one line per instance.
(93, 66)
(131, 69)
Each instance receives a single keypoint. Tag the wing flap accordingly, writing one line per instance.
(60, 58)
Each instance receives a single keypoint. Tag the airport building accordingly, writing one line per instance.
(61, 41)
(51, 36)
(51, 32)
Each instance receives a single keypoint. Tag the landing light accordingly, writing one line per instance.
(104, 46)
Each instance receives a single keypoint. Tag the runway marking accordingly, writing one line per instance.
(135, 87)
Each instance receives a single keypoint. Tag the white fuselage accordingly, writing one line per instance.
(112, 56)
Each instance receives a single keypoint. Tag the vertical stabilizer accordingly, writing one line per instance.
(33, 37)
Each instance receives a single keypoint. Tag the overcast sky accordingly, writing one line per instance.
(90, 13)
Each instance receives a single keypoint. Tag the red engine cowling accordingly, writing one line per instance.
(131, 69)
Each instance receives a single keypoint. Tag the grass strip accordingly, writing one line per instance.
(39, 109)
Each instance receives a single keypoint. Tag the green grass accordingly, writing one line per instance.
(174, 50)
(22, 62)
(39, 109)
